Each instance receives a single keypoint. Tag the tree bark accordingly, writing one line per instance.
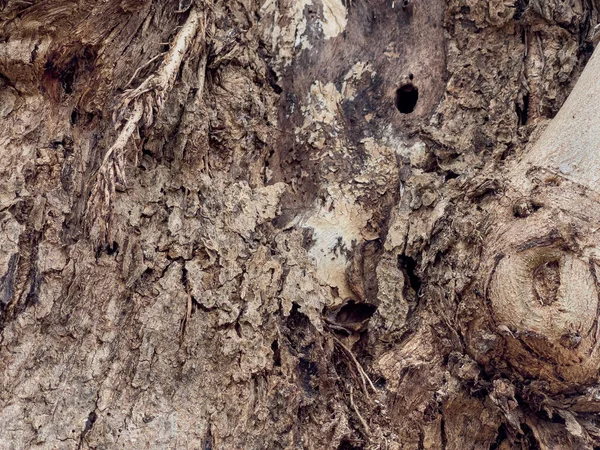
(316, 224)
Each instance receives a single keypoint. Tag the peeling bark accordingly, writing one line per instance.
(345, 224)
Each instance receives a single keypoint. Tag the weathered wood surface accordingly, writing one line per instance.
(298, 224)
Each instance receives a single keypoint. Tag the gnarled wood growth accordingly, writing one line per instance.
(538, 278)
(543, 288)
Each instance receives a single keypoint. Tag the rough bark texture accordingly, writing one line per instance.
(295, 224)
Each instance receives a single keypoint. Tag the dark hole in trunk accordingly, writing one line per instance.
(354, 313)
(501, 437)
(349, 444)
(409, 266)
(522, 110)
(406, 98)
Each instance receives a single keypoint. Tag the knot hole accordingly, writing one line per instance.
(407, 96)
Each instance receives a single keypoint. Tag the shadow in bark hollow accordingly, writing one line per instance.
(350, 318)
(7, 284)
(501, 437)
(347, 444)
(406, 98)
(207, 443)
(528, 440)
(522, 110)
(300, 342)
(353, 312)
(62, 68)
(276, 353)
(409, 266)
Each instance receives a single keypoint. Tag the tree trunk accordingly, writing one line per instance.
(315, 224)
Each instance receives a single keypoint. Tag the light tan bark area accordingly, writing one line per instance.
(315, 224)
